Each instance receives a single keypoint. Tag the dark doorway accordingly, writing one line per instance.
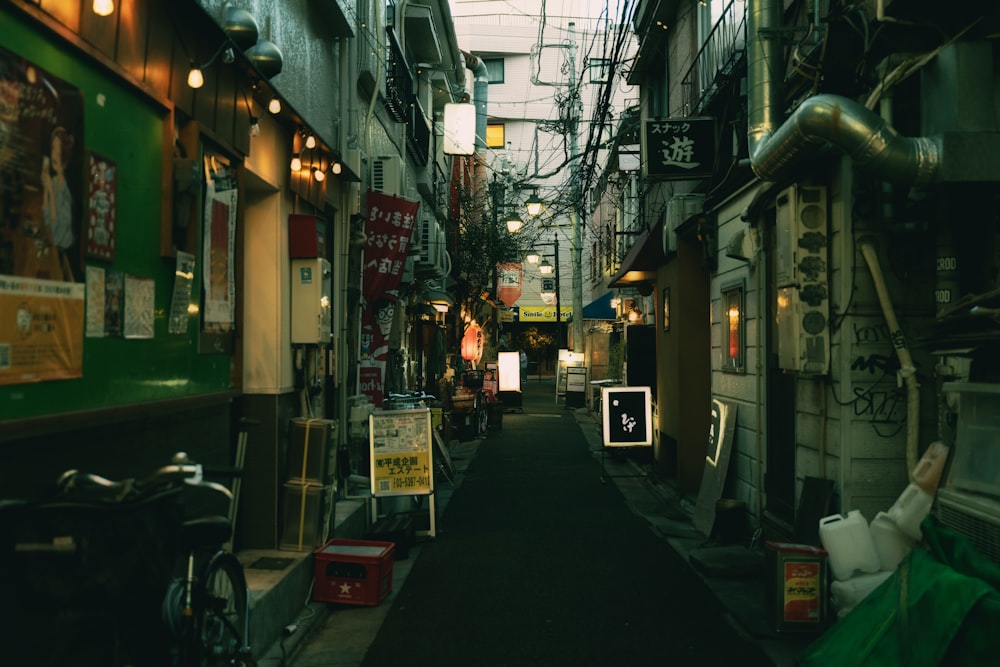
(779, 402)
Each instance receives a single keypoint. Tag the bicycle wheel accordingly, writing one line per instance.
(222, 614)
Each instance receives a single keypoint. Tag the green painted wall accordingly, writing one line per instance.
(122, 125)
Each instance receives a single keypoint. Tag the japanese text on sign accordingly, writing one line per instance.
(401, 461)
(680, 148)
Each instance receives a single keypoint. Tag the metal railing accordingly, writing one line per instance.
(716, 60)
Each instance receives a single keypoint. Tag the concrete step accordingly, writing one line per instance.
(280, 581)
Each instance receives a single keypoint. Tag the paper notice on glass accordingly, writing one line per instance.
(181, 300)
(95, 302)
(139, 307)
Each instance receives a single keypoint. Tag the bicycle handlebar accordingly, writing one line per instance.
(181, 470)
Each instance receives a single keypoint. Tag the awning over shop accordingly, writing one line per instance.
(600, 309)
(643, 258)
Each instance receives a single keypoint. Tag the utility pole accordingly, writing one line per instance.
(577, 208)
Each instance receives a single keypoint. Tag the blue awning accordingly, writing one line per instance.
(600, 309)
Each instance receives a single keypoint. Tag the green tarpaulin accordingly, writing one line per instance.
(940, 607)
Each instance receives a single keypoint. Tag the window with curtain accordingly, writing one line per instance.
(494, 69)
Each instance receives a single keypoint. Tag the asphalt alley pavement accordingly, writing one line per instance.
(539, 559)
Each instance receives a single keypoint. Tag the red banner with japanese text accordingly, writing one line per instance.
(388, 228)
(509, 282)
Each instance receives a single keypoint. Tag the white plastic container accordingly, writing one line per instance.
(912, 506)
(848, 541)
(891, 544)
(848, 594)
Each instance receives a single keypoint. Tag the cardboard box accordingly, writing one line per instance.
(357, 572)
(307, 510)
(312, 450)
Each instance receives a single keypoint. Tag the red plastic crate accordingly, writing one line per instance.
(353, 572)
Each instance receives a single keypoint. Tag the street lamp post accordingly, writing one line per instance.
(545, 268)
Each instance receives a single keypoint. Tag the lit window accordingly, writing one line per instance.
(495, 136)
(733, 329)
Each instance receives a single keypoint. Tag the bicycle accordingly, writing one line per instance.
(129, 572)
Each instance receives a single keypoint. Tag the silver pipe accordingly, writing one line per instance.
(819, 120)
(480, 93)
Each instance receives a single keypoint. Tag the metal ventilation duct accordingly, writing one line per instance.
(822, 119)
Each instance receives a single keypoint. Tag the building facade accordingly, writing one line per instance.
(827, 270)
(555, 95)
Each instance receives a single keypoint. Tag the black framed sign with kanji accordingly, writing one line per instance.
(628, 416)
(679, 148)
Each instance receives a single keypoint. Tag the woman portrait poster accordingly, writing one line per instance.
(41, 172)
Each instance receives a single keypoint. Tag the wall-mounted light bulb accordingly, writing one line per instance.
(296, 164)
(195, 78)
(319, 175)
(310, 141)
(254, 127)
(104, 7)
(274, 106)
(336, 168)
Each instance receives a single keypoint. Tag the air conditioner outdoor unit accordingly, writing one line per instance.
(680, 208)
(429, 241)
(803, 296)
(387, 175)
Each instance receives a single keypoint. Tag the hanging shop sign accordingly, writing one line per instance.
(509, 282)
(679, 148)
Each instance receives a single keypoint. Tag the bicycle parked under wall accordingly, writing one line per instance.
(125, 573)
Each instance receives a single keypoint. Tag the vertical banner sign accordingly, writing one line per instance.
(679, 148)
(388, 229)
(219, 243)
(509, 282)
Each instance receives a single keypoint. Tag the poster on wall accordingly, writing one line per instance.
(139, 307)
(43, 339)
(388, 228)
(41, 188)
(102, 188)
(180, 300)
(218, 245)
(41, 170)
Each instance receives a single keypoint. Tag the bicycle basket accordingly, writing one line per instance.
(90, 556)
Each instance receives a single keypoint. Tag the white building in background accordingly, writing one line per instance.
(556, 92)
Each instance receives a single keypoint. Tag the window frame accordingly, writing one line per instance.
(734, 327)
(492, 64)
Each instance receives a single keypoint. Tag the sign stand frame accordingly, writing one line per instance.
(402, 433)
(632, 419)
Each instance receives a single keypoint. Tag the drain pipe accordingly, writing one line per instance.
(775, 147)
(907, 370)
(480, 92)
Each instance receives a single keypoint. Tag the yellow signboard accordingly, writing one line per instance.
(401, 462)
(544, 313)
(41, 333)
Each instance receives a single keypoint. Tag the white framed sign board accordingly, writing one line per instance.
(628, 416)
(402, 460)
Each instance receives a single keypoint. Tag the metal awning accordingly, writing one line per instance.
(600, 309)
(643, 258)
